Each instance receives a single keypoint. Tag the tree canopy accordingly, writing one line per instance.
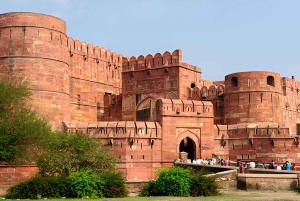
(72, 152)
(26, 137)
(21, 128)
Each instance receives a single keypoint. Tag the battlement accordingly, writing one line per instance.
(117, 129)
(191, 67)
(207, 92)
(89, 51)
(272, 130)
(173, 107)
(150, 61)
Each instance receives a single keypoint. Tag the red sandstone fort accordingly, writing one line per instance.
(150, 108)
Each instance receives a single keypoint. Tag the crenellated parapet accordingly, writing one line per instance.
(95, 82)
(190, 108)
(116, 130)
(157, 61)
(207, 92)
(255, 141)
(290, 86)
(95, 53)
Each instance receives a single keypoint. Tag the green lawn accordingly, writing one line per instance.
(221, 197)
(281, 195)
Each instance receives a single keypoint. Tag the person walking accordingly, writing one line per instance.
(245, 168)
(278, 167)
(288, 166)
(294, 168)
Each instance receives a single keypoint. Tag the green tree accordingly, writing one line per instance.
(72, 152)
(21, 129)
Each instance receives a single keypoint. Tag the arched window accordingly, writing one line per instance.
(234, 82)
(270, 81)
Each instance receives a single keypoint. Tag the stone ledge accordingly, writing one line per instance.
(275, 176)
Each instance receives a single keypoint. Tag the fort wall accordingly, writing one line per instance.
(94, 73)
(150, 108)
(159, 76)
(187, 126)
(35, 46)
(252, 97)
(136, 144)
(261, 142)
(69, 77)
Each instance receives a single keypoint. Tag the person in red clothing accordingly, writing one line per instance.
(241, 167)
(294, 168)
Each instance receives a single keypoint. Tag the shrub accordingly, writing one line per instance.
(148, 189)
(86, 183)
(70, 152)
(202, 185)
(174, 181)
(50, 187)
(114, 184)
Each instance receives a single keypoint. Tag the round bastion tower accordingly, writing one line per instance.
(252, 97)
(34, 46)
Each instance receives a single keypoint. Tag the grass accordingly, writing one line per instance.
(281, 195)
(162, 198)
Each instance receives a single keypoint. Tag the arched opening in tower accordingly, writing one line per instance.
(188, 145)
(271, 81)
(146, 110)
(234, 81)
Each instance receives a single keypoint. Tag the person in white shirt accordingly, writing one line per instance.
(278, 167)
(252, 164)
(213, 161)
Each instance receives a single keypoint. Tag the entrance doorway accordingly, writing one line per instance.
(188, 145)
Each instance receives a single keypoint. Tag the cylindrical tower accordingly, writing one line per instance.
(252, 97)
(35, 46)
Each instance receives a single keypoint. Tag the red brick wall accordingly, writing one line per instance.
(94, 71)
(181, 119)
(252, 99)
(10, 175)
(158, 76)
(69, 77)
(35, 46)
(137, 144)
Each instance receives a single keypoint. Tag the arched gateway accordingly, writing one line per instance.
(188, 145)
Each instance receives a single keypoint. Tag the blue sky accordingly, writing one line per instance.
(219, 36)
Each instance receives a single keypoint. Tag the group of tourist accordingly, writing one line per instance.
(213, 161)
(243, 167)
(285, 166)
(205, 161)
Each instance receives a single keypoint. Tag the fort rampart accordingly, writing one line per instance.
(69, 77)
(150, 108)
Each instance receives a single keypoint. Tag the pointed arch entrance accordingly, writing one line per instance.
(145, 110)
(188, 145)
